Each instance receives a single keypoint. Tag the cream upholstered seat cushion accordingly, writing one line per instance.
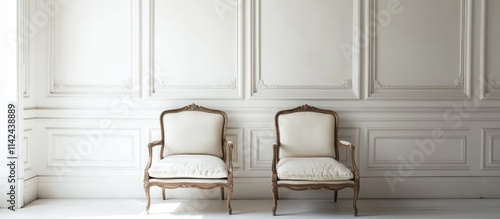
(312, 168)
(307, 134)
(189, 166)
(193, 132)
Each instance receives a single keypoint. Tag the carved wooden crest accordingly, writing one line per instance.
(193, 107)
(305, 107)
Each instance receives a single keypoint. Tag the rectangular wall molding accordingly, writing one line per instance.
(490, 156)
(384, 19)
(311, 85)
(178, 40)
(88, 149)
(109, 66)
(420, 149)
(489, 74)
(28, 155)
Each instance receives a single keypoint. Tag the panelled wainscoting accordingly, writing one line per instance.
(414, 83)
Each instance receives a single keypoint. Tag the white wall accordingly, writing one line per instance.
(413, 82)
(8, 95)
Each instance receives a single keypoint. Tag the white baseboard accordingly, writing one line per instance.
(30, 190)
(3, 190)
(260, 188)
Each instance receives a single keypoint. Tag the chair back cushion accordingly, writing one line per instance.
(306, 134)
(193, 132)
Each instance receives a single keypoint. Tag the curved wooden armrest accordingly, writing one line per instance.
(155, 143)
(229, 144)
(275, 159)
(151, 145)
(352, 155)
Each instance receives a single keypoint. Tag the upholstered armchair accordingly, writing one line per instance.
(194, 152)
(306, 154)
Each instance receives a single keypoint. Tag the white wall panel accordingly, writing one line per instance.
(30, 190)
(28, 154)
(197, 49)
(490, 159)
(421, 148)
(93, 48)
(490, 49)
(419, 49)
(305, 53)
(72, 149)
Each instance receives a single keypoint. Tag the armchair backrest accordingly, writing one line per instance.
(193, 130)
(307, 131)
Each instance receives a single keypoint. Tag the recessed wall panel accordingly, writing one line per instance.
(490, 159)
(305, 49)
(420, 46)
(419, 148)
(300, 42)
(196, 48)
(491, 49)
(419, 49)
(87, 148)
(92, 48)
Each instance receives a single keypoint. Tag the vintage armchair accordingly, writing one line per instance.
(306, 153)
(194, 152)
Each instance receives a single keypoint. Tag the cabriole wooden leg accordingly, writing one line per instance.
(229, 194)
(275, 198)
(355, 199)
(148, 198)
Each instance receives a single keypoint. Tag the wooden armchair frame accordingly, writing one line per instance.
(168, 184)
(314, 185)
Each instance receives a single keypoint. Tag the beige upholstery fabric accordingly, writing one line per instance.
(193, 132)
(307, 134)
(188, 180)
(303, 182)
(189, 166)
(312, 168)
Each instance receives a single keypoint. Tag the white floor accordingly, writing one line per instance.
(134, 208)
